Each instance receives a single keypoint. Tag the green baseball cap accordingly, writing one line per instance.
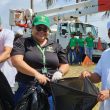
(72, 33)
(41, 19)
(89, 32)
(80, 33)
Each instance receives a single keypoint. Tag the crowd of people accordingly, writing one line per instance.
(30, 58)
(77, 48)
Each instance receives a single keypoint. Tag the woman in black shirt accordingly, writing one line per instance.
(36, 56)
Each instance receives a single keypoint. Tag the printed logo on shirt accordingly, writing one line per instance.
(50, 49)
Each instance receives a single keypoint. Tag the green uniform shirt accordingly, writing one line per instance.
(81, 42)
(73, 42)
(89, 41)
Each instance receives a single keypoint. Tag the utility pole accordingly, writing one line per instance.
(77, 1)
(86, 18)
(32, 5)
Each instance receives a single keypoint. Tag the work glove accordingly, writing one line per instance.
(56, 76)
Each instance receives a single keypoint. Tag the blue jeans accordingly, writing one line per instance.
(90, 52)
(74, 53)
(21, 89)
(80, 54)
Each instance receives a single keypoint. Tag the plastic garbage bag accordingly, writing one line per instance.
(74, 94)
(33, 98)
(6, 95)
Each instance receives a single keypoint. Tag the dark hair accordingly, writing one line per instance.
(75, 33)
(80, 33)
(18, 35)
(33, 25)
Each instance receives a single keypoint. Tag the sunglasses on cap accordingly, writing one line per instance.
(45, 29)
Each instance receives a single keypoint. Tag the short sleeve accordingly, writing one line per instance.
(18, 47)
(61, 55)
(76, 40)
(98, 68)
(70, 40)
(9, 37)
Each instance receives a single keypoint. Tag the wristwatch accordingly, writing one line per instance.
(60, 71)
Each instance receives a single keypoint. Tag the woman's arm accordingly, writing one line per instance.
(84, 40)
(94, 77)
(93, 36)
(64, 68)
(58, 75)
(23, 67)
(67, 47)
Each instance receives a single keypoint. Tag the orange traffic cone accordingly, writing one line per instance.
(87, 61)
(99, 46)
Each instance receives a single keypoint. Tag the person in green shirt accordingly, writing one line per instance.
(73, 46)
(89, 41)
(81, 42)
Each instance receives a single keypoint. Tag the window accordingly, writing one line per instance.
(64, 28)
(83, 28)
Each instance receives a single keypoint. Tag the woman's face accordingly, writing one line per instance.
(89, 34)
(72, 36)
(80, 36)
(40, 32)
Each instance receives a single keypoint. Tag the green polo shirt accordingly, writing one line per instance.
(73, 42)
(81, 42)
(89, 41)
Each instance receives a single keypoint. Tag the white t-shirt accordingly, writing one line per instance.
(103, 69)
(6, 39)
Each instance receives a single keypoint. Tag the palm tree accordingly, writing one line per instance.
(51, 2)
(32, 4)
(106, 14)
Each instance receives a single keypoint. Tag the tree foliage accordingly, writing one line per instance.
(52, 2)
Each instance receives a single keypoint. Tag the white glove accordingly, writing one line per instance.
(56, 76)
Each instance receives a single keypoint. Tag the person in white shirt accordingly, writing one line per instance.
(102, 74)
(6, 45)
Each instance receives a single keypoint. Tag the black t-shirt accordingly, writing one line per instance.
(54, 54)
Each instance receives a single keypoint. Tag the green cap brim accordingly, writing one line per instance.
(89, 32)
(38, 23)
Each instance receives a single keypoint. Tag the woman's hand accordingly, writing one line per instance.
(77, 50)
(42, 79)
(66, 51)
(56, 76)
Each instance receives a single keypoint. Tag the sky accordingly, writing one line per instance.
(40, 5)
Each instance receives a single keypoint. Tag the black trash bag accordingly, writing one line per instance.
(74, 94)
(6, 94)
(33, 98)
